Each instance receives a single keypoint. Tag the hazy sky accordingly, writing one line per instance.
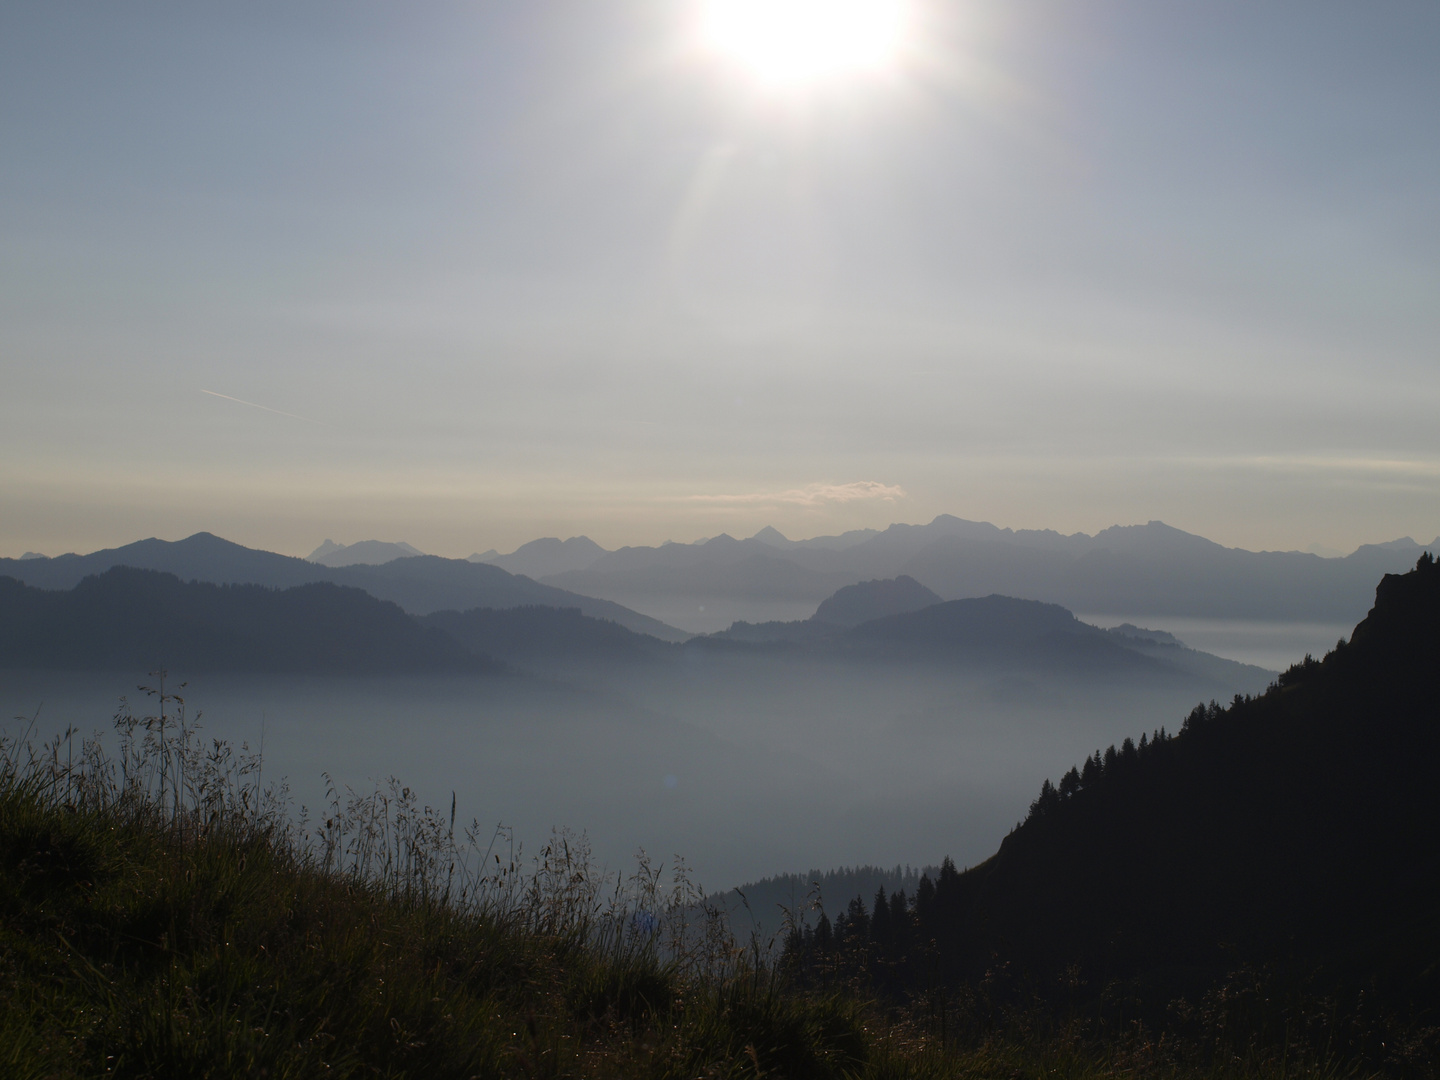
(536, 267)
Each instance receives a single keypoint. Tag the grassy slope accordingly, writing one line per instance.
(132, 946)
(136, 941)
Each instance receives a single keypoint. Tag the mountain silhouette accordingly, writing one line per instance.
(419, 584)
(367, 552)
(992, 632)
(719, 566)
(548, 555)
(855, 604)
(773, 537)
(136, 620)
(428, 583)
(1125, 570)
(201, 557)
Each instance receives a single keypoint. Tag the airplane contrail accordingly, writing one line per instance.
(277, 412)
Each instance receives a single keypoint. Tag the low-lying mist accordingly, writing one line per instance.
(745, 764)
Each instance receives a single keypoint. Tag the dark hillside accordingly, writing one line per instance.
(994, 629)
(1301, 824)
(1298, 830)
(990, 633)
(135, 620)
(537, 635)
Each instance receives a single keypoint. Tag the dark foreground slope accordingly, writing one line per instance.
(1300, 826)
(161, 916)
(1298, 830)
(137, 620)
(153, 930)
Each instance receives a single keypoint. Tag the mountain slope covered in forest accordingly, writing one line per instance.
(1295, 829)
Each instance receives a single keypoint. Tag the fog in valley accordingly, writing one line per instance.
(745, 765)
(880, 724)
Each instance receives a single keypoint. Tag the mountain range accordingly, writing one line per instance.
(675, 590)
(135, 618)
(419, 584)
(1149, 569)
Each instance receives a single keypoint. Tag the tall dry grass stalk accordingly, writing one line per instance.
(162, 773)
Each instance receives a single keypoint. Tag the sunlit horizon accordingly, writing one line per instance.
(467, 276)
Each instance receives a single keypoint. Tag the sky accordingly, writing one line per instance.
(465, 274)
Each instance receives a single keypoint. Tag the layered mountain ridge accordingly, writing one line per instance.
(419, 584)
(135, 618)
(1152, 568)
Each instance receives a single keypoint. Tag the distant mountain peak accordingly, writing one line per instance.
(554, 543)
(772, 536)
(329, 547)
(1154, 538)
(1405, 543)
(549, 556)
(860, 603)
(363, 553)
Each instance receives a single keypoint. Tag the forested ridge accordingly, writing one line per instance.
(1295, 831)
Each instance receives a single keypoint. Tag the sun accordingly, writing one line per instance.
(794, 43)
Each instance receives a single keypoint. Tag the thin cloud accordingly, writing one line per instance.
(266, 408)
(811, 495)
(1352, 464)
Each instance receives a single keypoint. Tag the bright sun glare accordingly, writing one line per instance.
(801, 42)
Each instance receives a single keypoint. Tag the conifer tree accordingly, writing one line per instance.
(880, 919)
(1070, 783)
(824, 935)
(925, 902)
(901, 922)
(857, 922)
